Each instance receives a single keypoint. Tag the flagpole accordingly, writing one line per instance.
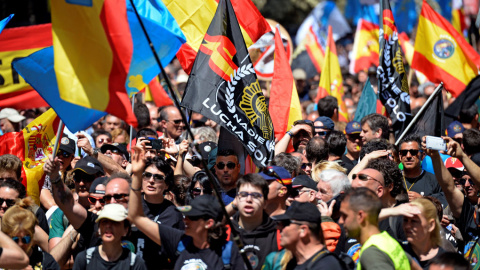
(57, 139)
(131, 127)
(424, 107)
(215, 184)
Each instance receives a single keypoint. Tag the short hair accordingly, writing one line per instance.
(255, 180)
(206, 134)
(162, 166)
(121, 175)
(146, 132)
(337, 141)
(226, 153)
(327, 105)
(317, 150)
(338, 181)
(18, 218)
(326, 165)
(143, 115)
(471, 141)
(99, 132)
(392, 175)
(366, 200)
(316, 230)
(11, 163)
(290, 163)
(16, 185)
(453, 259)
(411, 138)
(120, 131)
(467, 115)
(373, 145)
(376, 122)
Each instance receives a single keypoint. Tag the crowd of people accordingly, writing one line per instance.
(336, 195)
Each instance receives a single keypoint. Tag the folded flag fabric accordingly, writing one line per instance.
(365, 47)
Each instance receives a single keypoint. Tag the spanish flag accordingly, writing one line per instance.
(442, 54)
(284, 104)
(331, 80)
(365, 47)
(32, 145)
(156, 93)
(195, 17)
(458, 20)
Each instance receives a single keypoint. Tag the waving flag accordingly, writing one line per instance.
(195, 17)
(391, 74)
(331, 80)
(101, 57)
(156, 93)
(442, 54)
(32, 145)
(365, 47)
(17, 43)
(284, 106)
(367, 103)
(310, 54)
(223, 86)
(356, 10)
(4, 22)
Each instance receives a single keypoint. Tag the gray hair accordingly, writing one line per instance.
(206, 134)
(338, 181)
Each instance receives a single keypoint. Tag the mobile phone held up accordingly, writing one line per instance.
(155, 143)
(436, 143)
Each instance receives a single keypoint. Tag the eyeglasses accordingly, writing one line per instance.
(230, 165)
(305, 165)
(25, 239)
(176, 122)
(255, 195)
(413, 152)
(106, 140)
(93, 200)
(118, 197)
(270, 172)
(322, 133)
(156, 177)
(364, 177)
(64, 154)
(9, 202)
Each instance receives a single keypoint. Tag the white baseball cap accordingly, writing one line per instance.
(12, 115)
(113, 211)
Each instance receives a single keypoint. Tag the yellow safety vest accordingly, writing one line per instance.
(384, 242)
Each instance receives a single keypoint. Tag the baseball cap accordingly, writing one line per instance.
(122, 148)
(353, 127)
(11, 114)
(454, 163)
(299, 74)
(280, 172)
(98, 181)
(206, 148)
(203, 206)
(326, 121)
(454, 128)
(304, 180)
(301, 212)
(89, 165)
(67, 144)
(113, 211)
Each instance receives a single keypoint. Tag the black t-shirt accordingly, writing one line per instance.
(97, 262)
(348, 163)
(467, 224)
(164, 213)
(321, 260)
(426, 185)
(42, 260)
(424, 264)
(394, 227)
(192, 257)
(42, 219)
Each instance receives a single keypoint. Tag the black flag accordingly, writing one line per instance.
(391, 73)
(223, 86)
(464, 101)
(431, 121)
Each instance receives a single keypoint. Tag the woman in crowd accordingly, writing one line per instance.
(200, 185)
(423, 233)
(19, 223)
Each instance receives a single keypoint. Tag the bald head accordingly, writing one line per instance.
(120, 188)
(371, 179)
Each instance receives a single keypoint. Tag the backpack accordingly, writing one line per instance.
(226, 251)
(345, 260)
(89, 254)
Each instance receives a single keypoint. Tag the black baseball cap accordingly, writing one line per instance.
(89, 165)
(203, 206)
(301, 212)
(304, 180)
(67, 144)
(116, 146)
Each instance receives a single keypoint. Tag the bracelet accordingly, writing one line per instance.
(289, 133)
(138, 189)
(56, 180)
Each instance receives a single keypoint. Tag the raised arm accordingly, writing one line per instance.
(455, 150)
(63, 250)
(363, 163)
(282, 145)
(135, 210)
(12, 256)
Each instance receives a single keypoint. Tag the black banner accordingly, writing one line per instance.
(223, 86)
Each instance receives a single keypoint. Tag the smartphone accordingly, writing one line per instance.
(155, 143)
(436, 143)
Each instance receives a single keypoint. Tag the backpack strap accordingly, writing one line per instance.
(89, 254)
(227, 255)
(317, 256)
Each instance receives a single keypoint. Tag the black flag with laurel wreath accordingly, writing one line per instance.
(392, 76)
(223, 86)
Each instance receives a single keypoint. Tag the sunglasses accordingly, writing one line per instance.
(413, 152)
(118, 197)
(64, 154)
(8, 178)
(272, 173)
(354, 137)
(255, 195)
(107, 140)
(322, 133)
(156, 177)
(9, 202)
(25, 239)
(93, 200)
(463, 181)
(230, 165)
(364, 177)
(177, 122)
(305, 165)
(195, 218)
(86, 178)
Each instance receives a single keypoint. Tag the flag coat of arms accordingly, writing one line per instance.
(223, 86)
(391, 73)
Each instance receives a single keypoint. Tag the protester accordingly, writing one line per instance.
(227, 168)
(299, 135)
(10, 120)
(279, 188)
(354, 145)
(170, 122)
(374, 126)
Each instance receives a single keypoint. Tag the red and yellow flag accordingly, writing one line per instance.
(365, 47)
(458, 20)
(442, 54)
(331, 80)
(195, 17)
(156, 93)
(284, 104)
(32, 145)
(314, 49)
(18, 43)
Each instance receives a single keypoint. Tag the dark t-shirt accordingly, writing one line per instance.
(348, 163)
(467, 225)
(164, 213)
(97, 262)
(426, 185)
(321, 260)
(192, 257)
(42, 220)
(42, 260)
(424, 264)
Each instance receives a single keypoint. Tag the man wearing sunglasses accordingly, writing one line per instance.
(279, 187)
(227, 169)
(323, 126)
(299, 134)
(118, 152)
(354, 145)
(304, 189)
(170, 122)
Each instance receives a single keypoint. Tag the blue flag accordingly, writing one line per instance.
(37, 70)
(367, 103)
(355, 10)
(406, 15)
(4, 22)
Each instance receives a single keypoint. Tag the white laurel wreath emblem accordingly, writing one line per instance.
(237, 75)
